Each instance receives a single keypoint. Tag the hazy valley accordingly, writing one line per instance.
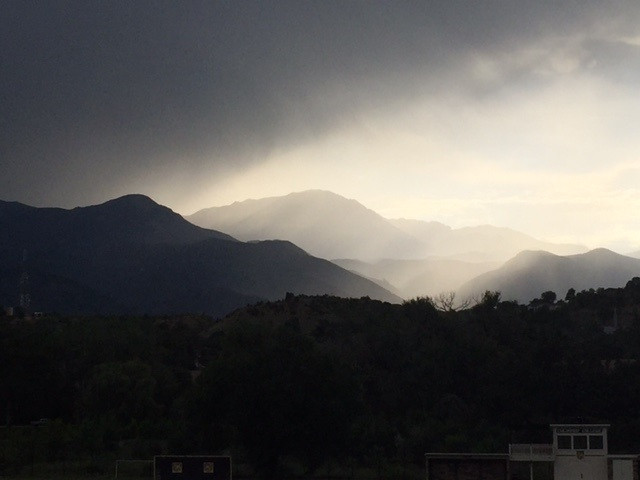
(417, 258)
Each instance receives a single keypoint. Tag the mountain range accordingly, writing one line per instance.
(131, 255)
(331, 226)
(481, 243)
(322, 223)
(410, 257)
(531, 273)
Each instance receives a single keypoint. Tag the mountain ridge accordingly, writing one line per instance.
(416, 257)
(530, 273)
(331, 226)
(323, 223)
(148, 259)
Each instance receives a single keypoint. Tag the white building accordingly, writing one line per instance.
(578, 452)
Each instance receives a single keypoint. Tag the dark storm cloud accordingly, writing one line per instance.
(94, 93)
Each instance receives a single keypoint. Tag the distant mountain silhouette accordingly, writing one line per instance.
(128, 219)
(330, 226)
(530, 273)
(480, 243)
(417, 278)
(410, 257)
(131, 255)
(322, 223)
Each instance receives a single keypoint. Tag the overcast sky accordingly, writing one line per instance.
(513, 113)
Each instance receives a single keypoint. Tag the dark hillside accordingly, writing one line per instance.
(133, 256)
(130, 219)
(309, 381)
(531, 272)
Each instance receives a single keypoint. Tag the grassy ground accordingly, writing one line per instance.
(105, 469)
(67, 477)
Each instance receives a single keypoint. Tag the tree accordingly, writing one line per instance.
(272, 393)
(548, 297)
(420, 308)
(122, 392)
(488, 301)
(446, 302)
(571, 294)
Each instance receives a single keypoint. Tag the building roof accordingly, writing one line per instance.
(580, 425)
(467, 456)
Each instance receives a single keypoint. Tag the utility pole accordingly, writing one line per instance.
(25, 296)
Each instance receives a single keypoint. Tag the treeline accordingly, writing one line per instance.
(310, 382)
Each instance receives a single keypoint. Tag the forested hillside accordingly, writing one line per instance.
(310, 382)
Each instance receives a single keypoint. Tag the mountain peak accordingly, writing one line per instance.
(135, 201)
(323, 223)
(601, 252)
(315, 192)
(133, 198)
(533, 254)
(140, 219)
(531, 272)
(323, 197)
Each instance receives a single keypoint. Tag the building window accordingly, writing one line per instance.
(579, 442)
(564, 442)
(596, 442)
